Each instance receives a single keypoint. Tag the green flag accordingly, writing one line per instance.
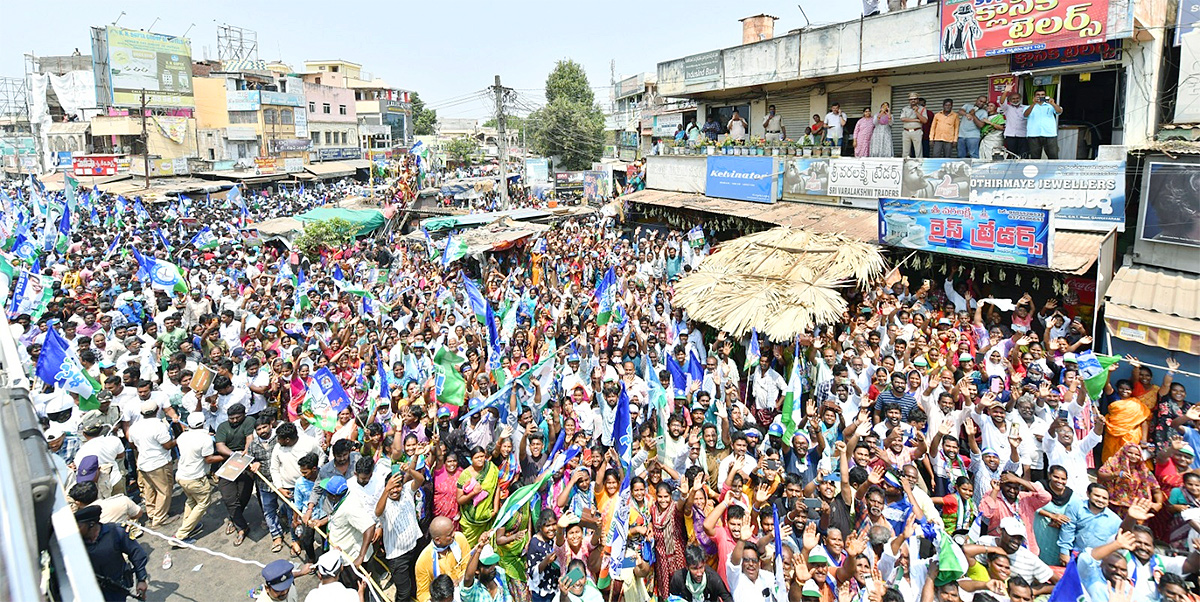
(1093, 368)
(791, 400)
(952, 563)
(323, 421)
(91, 402)
(449, 385)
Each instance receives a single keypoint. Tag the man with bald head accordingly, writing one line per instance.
(447, 554)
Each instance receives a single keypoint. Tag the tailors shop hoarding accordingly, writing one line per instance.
(756, 179)
(158, 64)
(1020, 235)
(1084, 195)
(978, 28)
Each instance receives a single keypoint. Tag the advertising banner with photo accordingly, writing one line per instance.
(537, 170)
(665, 125)
(597, 186)
(755, 179)
(1084, 195)
(158, 64)
(805, 177)
(971, 29)
(946, 179)
(1016, 235)
(1171, 211)
(568, 182)
(676, 173)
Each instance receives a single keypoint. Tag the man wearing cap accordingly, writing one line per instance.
(1010, 540)
(111, 550)
(278, 577)
(352, 526)
(152, 438)
(484, 580)
(197, 453)
(329, 571)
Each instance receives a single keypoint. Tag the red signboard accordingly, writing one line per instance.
(978, 28)
(94, 165)
(265, 165)
(999, 86)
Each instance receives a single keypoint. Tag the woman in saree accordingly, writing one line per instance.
(1128, 479)
(510, 540)
(445, 483)
(992, 133)
(667, 529)
(477, 499)
(862, 134)
(1128, 415)
(507, 463)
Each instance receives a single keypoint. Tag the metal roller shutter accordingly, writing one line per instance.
(793, 109)
(960, 91)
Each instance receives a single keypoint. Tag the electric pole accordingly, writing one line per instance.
(502, 143)
(145, 143)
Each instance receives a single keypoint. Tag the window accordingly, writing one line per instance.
(341, 109)
(333, 69)
(269, 116)
(328, 138)
(212, 155)
(344, 138)
(285, 116)
(243, 117)
(312, 106)
(325, 108)
(316, 138)
(321, 68)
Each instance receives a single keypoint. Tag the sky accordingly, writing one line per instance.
(447, 51)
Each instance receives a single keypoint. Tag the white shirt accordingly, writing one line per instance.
(214, 419)
(745, 590)
(106, 449)
(766, 388)
(193, 445)
(331, 592)
(399, 523)
(834, 123)
(285, 467)
(149, 436)
(749, 466)
(1074, 460)
(258, 401)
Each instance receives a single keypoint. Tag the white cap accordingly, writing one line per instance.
(330, 563)
(1013, 526)
(195, 420)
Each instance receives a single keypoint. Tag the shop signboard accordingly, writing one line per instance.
(24, 145)
(159, 65)
(806, 177)
(62, 160)
(665, 125)
(327, 154)
(1020, 235)
(537, 170)
(999, 86)
(703, 67)
(629, 139)
(1070, 55)
(281, 145)
(293, 164)
(1187, 94)
(851, 176)
(946, 179)
(1189, 19)
(676, 173)
(161, 167)
(974, 28)
(597, 186)
(756, 179)
(568, 183)
(285, 99)
(242, 100)
(264, 165)
(1084, 195)
(1172, 202)
(94, 165)
(301, 122)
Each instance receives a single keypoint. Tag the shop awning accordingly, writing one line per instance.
(1155, 307)
(330, 169)
(434, 224)
(358, 163)
(1074, 252)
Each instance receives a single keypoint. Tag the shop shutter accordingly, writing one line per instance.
(793, 109)
(960, 91)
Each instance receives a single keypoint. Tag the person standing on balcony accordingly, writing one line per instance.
(1014, 126)
(773, 125)
(737, 126)
(712, 127)
(970, 119)
(943, 135)
(912, 118)
(1042, 126)
(835, 123)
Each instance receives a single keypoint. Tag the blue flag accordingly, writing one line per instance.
(475, 298)
(385, 391)
(57, 365)
(162, 239)
(23, 247)
(606, 294)
(1070, 588)
(752, 351)
(678, 376)
(338, 277)
(695, 367)
(328, 392)
(622, 434)
(113, 247)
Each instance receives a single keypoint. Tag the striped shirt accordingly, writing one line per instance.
(906, 402)
(399, 522)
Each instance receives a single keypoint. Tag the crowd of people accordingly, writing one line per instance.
(544, 423)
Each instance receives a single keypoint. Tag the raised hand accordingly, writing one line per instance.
(1140, 510)
(876, 476)
(857, 544)
(1172, 364)
(811, 539)
(1126, 540)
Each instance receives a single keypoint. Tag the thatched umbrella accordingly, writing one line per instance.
(781, 281)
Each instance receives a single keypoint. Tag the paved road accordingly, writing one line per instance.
(215, 579)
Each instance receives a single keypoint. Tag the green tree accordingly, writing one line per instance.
(424, 120)
(462, 149)
(335, 233)
(570, 126)
(569, 81)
